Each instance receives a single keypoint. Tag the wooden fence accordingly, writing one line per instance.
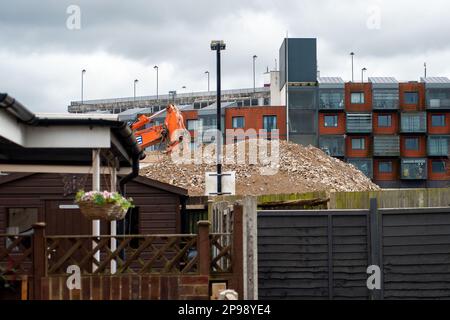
(324, 254)
(39, 258)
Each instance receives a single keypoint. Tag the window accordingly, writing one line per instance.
(269, 122)
(357, 97)
(358, 144)
(384, 120)
(411, 97)
(331, 121)
(414, 169)
(132, 226)
(412, 144)
(21, 219)
(438, 166)
(254, 102)
(238, 122)
(385, 166)
(331, 99)
(385, 99)
(438, 120)
(191, 124)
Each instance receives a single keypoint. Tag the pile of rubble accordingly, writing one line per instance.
(296, 169)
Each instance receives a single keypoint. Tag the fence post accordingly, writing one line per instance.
(375, 251)
(237, 250)
(39, 258)
(204, 248)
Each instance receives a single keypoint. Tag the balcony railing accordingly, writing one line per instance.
(364, 165)
(386, 146)
(438, 146)
(413, 122)
(332, 145)
(385, 100)
(331, 101)
(414, 169)
(438, 98)
(359, 122)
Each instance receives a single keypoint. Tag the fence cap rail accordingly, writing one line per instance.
(190, 235)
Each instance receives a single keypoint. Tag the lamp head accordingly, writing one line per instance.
(217, 45)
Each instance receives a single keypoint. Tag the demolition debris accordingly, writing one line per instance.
(298, 169)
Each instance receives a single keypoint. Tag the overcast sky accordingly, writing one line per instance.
(41, 58)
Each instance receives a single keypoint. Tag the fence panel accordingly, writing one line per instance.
(304, 254)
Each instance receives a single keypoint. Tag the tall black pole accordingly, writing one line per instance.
(219, 127)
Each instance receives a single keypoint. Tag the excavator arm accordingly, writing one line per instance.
(171, 131)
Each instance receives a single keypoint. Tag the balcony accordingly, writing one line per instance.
(385, 100)
(331, 100)
(364, 165)
(386, 146)
(414, 169)
(414, 122)
(438, 146)
(438, 99)
(359, 122)
(332, 145)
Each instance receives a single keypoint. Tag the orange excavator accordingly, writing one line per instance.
(170, 132)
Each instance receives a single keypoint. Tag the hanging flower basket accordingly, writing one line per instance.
(103, 205)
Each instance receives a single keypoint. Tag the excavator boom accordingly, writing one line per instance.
(171, 131)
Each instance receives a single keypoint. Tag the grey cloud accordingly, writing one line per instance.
(178, 33)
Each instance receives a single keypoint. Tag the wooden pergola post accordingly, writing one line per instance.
(113, 224)
(95, 187)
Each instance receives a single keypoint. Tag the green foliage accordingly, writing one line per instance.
(102, 198)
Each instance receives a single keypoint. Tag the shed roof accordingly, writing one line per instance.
(140, 179)
(42, 139)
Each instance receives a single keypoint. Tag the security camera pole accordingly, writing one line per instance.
(218, 45)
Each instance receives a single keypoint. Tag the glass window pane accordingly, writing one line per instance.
(331, 121)
(238, 122)
(331, 99)
(384, 120)
(438, 120)
(357, 97)
(385, 99)
(21, 219)
(270, 122)
(438, 166)
(385, 167)
(412, 144)
(358, 144)
(411, 97)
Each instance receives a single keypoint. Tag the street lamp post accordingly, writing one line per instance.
(362, 74)
(135, 81)
(82, 85)
(207, 73)
(352, 54)
(217, 45)
(157, 80)
(254, 81)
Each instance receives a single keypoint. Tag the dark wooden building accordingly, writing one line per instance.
(26, 198)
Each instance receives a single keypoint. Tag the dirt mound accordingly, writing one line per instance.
(297, 169)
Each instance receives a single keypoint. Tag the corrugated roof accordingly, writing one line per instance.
(383, 80)
(442, 80)
(329, 80)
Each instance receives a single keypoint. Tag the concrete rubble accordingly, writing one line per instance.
(299, 169)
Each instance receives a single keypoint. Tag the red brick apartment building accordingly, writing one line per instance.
(396, 133)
